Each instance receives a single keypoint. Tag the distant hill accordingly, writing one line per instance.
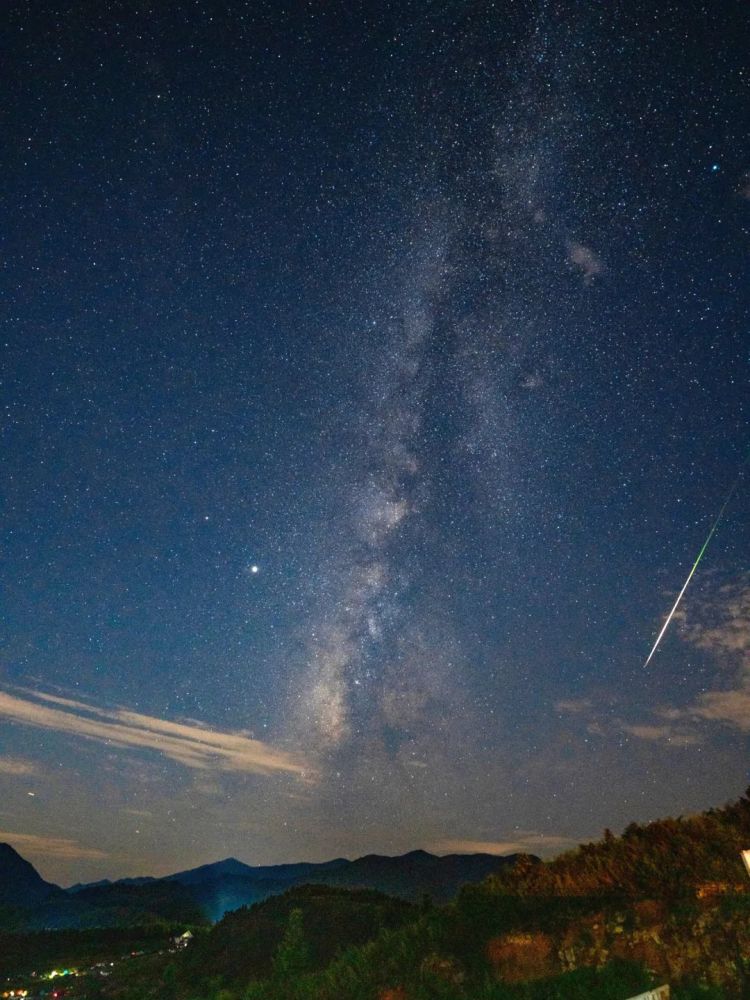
(210, 891)
(140, 880)
(20, 883)
(227, 885)
(123, 904)
(232, 868)
(411, 876)
(28, 902)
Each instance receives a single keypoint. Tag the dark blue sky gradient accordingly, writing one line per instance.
(438, 315)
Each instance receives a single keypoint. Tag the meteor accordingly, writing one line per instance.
(710, 535)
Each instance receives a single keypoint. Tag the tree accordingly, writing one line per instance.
(292, 957)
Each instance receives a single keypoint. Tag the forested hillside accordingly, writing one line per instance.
(664, 902)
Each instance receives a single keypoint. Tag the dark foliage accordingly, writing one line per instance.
(159, 902)
(243, 945)
(665, 859)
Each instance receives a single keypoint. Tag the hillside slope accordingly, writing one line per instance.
(665, 902)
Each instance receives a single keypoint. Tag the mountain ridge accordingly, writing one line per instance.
(219, 887)
(19, 879)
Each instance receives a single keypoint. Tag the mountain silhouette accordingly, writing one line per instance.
(214, 889)
(227, 885)
(20, 883)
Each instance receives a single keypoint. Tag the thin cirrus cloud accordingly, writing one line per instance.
(54, 847)
(190, 744)
(534, 843)
(574, 706)
(673, 735)
(672, 730)
(720, 624)
(16, 767)
(730, 707)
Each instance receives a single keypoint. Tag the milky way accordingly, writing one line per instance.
(369, 376)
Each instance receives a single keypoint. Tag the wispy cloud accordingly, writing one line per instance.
(718, 623)
(50, 847)
(676, 736)
(673, 728)
(730, 707)
(574, 706)
(586, 260)
(16, 766)
(192, 745)
(526, 843)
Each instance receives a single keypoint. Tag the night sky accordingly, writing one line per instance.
(372, 375)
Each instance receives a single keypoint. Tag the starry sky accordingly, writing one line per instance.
(372, 375)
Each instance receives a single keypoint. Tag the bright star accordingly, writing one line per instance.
(254, 568)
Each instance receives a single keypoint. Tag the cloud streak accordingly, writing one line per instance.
(50, 847)
(16, 767)
(191, 745)
(720, 625)
(729, 707)
(574, 706)
(524, 843)
(667, 733)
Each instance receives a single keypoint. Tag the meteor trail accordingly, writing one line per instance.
(714, 526)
